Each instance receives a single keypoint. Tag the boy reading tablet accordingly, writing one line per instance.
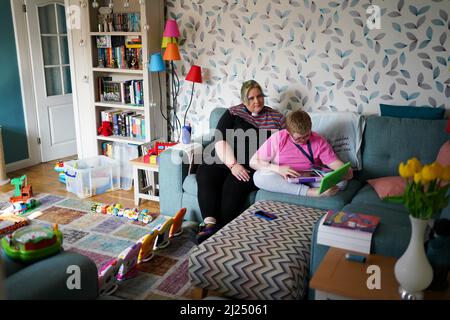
(292, 150)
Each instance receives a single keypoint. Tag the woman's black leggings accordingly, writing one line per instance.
(220, 194)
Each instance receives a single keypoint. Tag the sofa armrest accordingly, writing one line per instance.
(173, 169)
(49, 279)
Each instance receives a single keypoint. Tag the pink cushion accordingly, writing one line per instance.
(443, 156)
(388, 186)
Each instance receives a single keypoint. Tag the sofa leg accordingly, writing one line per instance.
(199, 293)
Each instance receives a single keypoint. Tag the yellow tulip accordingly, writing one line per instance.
(445, 176)
(437, 169)
(405, 171)
(417, 177)
(414, 164)
(428, 174)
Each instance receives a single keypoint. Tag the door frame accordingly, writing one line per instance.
(23, 48)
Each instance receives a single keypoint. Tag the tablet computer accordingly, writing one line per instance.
(333, 178)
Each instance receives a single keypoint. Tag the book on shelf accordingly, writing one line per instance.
(119, 52)
(347, 230)
(125, 92)
(125, 123)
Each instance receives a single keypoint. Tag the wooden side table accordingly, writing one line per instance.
(144, 192)
(337, 278)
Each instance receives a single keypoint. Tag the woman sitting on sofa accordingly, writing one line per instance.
(223, 187)
(294, 149)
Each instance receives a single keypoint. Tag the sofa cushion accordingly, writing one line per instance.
(412, 112)
(389, 141)
(388, 186)
(326, 203)
(190, 184)
(367, 196)
(443, 156)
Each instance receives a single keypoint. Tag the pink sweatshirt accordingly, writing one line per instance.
(280, 149)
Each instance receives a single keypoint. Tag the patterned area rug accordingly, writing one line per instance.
(102, 238)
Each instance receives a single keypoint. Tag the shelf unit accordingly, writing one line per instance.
(151, 29)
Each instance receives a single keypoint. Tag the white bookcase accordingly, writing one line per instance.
(87, 69)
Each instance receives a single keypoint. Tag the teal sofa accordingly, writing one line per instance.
(386, 142)
(47, 278)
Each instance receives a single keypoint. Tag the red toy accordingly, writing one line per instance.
(105, 129)
(157, 149)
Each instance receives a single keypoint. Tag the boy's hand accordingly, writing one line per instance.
(287, 172)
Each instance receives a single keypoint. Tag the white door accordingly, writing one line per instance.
(47, 32)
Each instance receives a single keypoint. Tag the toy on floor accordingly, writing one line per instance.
(129, 259)
(162, 240)
(148, 243)
(176, 228)
(118, 211)
(23, 200)
(32, 243)
(107, 282)
(10, 223)
(59, 167)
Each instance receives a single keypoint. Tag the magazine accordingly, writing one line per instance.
(349, 220)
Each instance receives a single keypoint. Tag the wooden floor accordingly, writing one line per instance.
(44, 179)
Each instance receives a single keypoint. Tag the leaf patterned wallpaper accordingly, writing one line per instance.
(319, 55)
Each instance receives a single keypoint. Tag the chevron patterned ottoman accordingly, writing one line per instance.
(253, 258)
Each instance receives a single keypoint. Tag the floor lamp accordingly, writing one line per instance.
(173, 54)
(195, 76)
(157, 65)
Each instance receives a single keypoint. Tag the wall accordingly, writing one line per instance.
(11, 108)
(315, 55)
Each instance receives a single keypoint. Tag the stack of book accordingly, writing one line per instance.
(125, 123)
(119, 52)
(347, 230)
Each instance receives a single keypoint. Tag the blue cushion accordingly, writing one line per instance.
(412, 112)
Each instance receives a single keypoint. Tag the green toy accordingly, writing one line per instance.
(32, 243)
(18, 183)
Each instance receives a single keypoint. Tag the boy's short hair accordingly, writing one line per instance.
(298, 122)
(246, 87)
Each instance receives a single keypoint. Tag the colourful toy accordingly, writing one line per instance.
(32, 243)
(153, 154)
(22, 191)
(107, 282)
(117, 210)
(59, 167)
(148, 243)
(176, 228)
(129, 257)
(163, 231)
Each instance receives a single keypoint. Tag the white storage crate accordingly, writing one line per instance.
(91, 176)
(123, 153)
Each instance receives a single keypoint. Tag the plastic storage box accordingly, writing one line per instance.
(123, 153)
(91, 176)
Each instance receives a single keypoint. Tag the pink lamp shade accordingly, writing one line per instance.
(172, 53)
(171, 29)
(195, 74)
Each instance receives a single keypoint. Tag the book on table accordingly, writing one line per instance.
(347, 230)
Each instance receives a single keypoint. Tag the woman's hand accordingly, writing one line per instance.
(314, 192)
(287, 172)
(240, 172)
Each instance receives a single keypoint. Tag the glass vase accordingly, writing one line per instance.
(413, 271)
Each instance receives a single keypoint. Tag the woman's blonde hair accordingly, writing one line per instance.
(246, 87)
(298, 122)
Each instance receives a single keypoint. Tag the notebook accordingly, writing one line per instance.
(333, 178)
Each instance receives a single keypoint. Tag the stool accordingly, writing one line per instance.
(257, 259)
(148, 192)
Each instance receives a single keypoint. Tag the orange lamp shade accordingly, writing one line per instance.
(172, 53)
(195, 74)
